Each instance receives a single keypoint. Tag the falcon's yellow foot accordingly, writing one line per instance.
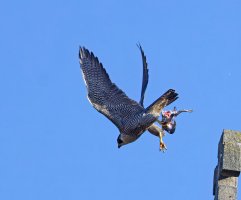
(163, 147)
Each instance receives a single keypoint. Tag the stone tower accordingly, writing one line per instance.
(226, 173)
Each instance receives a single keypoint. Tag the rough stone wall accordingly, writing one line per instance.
(229, 166)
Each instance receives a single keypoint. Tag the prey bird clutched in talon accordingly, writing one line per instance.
(168, 122)
(130, 117)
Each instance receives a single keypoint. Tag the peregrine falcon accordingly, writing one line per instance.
(130, 117)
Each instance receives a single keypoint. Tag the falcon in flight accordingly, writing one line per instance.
(130, 117)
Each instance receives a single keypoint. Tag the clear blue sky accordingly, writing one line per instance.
(53, 143)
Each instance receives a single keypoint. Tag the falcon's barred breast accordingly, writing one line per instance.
(130, 117)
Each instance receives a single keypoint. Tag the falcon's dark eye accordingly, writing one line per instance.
(119, 141)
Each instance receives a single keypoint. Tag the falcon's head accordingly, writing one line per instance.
(120, 141)
(124, 139)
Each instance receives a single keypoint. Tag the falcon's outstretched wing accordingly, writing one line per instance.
(167, 98)
(145, 76)
(104, 95)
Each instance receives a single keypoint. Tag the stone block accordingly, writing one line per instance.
(228, 181)
(220, 182)
(229, 153)
(226, 193)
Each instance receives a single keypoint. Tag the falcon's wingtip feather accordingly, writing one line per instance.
(140, 47)
(84, 53)
(81, 52)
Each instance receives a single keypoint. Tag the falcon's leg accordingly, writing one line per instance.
(159, 132)
(162, 144)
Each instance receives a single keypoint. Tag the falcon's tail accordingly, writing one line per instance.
(167, 98)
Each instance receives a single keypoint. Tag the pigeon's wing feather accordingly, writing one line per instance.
(104, 95)
(167, 98)
(145, 76)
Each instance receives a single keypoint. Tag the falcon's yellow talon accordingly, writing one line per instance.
(162, 144)
(162, 147)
